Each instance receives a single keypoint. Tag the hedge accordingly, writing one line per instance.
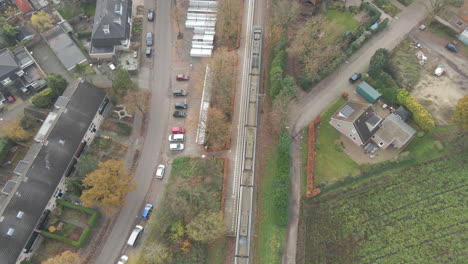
(95, 214)
(420, 115)
(5, 146)
(44, 99)
(85, 34)
(81, 242)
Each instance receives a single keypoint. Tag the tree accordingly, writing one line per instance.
(222, 68)
(85, 165)
(15, 132)
(122, 80)
(57, 83)
(206, 226)
(67, 257)
(228, 19)
(378, 62)
(107, 186)
(276, 76)
(436, 6)
(284, 12)
(217, 129)
(177, 231)
(137, 100)
(44, 99)
(75, 185)
(42, 21)
(289, 86)
(10, 33)
(156, 253)
(460, 116)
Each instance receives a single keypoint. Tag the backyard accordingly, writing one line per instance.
(346, 19)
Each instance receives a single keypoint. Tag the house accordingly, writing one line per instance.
(393, 132)
(368, 92)
(460, 19)
(74, 126)
(111, 29)
(357, 121)
(20, 70)
(24, 6)
(63, 46)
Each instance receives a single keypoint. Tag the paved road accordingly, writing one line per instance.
(157, 74)
(307, 107)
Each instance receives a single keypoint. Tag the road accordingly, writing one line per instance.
(307, 107)
(156, 74)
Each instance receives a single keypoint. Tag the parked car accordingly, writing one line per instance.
(135, 235)
(178, 130)
(147, 211)
(160, 171)
(176, 146)
(150, 14)
(149, 39)
(180, 93)
(11, 99)
(356, 76)
(180, 114)
(148, 52)
(181, 106)
(452, 47)
(123, 259)
(176, 137)
(182, 77)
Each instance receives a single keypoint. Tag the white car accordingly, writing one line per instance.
(123, 259)
(176, 138)
(160, 171)
(176, 146)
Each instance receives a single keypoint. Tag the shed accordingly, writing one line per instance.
(463, 37)
(367, 92)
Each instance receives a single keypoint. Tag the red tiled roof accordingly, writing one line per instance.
(24, 6)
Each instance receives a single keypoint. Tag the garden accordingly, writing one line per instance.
(387, 7)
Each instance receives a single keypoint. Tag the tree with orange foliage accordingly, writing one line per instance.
(67, 257)
(15, 132)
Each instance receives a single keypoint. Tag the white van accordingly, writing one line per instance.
(132, 240)
(176, 138)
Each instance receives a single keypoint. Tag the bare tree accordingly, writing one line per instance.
(436, 6)
(228, 19)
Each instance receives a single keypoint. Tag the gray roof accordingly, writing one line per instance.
(111, 22)
(8, 64)
(63, 46)
(393, 128)
(346, 111)
(47, 169)
(365, 125)
(403, 113)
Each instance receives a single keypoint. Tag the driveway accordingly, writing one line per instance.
(308, 106)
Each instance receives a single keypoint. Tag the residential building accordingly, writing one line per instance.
(393, 132)
(357, 121)
(24, 6)
(368, 92)
(71, 129)
(459, 19)
(111, 29)
(20, 70)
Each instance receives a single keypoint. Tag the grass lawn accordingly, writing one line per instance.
(216, 251)
(428, 146)
(331, 163)
(304, 157)
(343, 18)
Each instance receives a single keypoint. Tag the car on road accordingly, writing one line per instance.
(148, 52)
(182, 77)
(356, 76)
(147, 211)
(123, 259)
(150, 14)
(452, 47)
(176, 138)
(160, 171)
(176, 146)
(180, 93)
(133, 239)
(179, 114)
(149, 39)
(181, 106)
(178, 130)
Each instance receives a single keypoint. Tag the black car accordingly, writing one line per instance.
(356, 76)
(180, 93)
(452, 47)
(181, 106)
(180, 114)
(150, 14)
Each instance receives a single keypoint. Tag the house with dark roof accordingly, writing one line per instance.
(357, 121)
(19, 69)
(73, 128)
(393, 132)
(111, 29)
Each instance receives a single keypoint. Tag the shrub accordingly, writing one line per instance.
(438, 145)
(5, 146)
(85, 34)
(44, 99)
(420, 115)
(378, 62)
(276, 76)
(304, 81)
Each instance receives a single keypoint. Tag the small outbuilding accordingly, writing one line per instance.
(368, 92)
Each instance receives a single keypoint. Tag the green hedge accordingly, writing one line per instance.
(5, 146)
(45, 98)
(85, 34)
(81, 242)
(95, 214)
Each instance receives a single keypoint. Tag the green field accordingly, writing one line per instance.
(345, 19)
(331, 163)
(273, 205)
(413, 215)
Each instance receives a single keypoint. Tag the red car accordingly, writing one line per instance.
(11, 99)
(182, 77)
(178, 130)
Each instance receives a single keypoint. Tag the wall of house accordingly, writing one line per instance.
(347, 129)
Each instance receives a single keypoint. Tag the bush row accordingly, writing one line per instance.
(5, 146)
(81, 242)
(420, 115)
(95, 214)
